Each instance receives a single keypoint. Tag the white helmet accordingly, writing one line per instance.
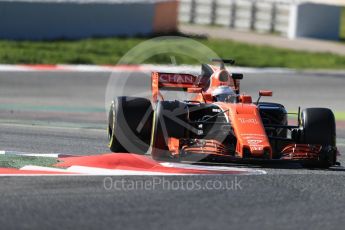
(224, 94)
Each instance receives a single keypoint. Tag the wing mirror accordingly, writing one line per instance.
(264, 93)
(237, 76)
(194, 90)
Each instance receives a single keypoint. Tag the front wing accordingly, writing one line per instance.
(214, 151)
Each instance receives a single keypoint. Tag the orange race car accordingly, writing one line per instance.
(218, 123)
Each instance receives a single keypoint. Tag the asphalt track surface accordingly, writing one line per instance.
(64, 113)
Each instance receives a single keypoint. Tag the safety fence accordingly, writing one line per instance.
(262, 16)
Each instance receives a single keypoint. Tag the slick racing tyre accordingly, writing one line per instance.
(319, 128)
(170, 119)
(129, 125)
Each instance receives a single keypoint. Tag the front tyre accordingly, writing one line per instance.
(319, 128)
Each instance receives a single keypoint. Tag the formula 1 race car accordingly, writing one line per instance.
(218, 123)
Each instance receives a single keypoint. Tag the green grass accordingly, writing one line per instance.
(16, 161)
(339, 116)
(110, 51)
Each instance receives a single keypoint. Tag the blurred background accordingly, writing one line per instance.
(101, 31)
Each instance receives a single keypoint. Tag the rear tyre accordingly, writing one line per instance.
(169, 120)
(319, 128)
(129, 125)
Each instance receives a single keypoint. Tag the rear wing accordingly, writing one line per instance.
(183, 81)
(173, 81)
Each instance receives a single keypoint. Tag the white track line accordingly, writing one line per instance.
(247, 171)
(120, 172)
(41, 168)
(83, 170)
(17, 153)
(115, 172)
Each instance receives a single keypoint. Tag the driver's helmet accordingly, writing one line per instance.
(224, 94)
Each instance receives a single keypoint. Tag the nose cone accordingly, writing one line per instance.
(250, 132)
